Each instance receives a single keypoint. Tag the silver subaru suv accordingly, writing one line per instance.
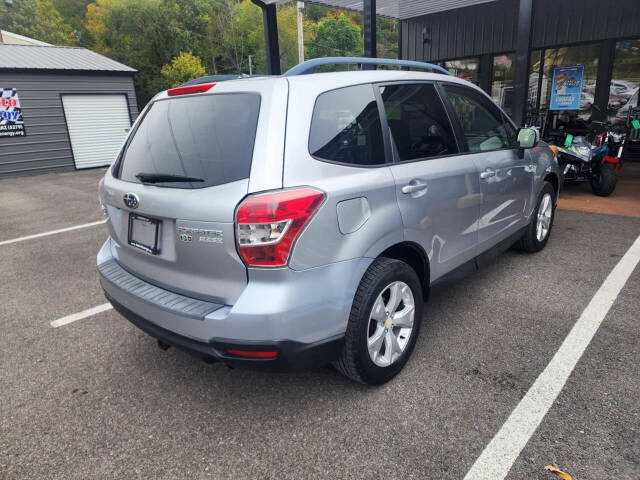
(291, 221)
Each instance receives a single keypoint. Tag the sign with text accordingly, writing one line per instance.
(11, 121)
(566, 89)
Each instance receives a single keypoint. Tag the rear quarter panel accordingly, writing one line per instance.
(366, 231)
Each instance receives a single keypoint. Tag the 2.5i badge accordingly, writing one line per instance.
(187, 234)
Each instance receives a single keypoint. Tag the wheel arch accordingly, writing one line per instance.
(414, 255)
(553, 179)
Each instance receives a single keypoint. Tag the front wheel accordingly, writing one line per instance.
(537, 232)
(603, 182)
(384, 322)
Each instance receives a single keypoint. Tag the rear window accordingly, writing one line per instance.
(209, 137)
(345, 127)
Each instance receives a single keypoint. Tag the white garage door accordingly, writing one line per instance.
(98, 125)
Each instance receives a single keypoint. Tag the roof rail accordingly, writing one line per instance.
(310, 65)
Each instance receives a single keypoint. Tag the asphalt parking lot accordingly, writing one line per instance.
(96, 398)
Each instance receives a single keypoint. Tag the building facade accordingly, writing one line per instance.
(478, 43)
(61, 108)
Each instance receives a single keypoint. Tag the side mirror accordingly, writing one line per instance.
(527, 138)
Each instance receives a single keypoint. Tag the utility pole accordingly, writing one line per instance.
(300, 35)
(250, 65)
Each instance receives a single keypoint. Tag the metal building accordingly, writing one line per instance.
(489, 43)
(61, 108)
(510, 47)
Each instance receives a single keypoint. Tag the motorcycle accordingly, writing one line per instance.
(591, 153)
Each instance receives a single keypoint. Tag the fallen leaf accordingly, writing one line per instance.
(559, 473)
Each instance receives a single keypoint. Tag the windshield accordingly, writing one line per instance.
(205, 137)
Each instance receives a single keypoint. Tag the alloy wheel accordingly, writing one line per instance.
(390, 324)
(545, 212)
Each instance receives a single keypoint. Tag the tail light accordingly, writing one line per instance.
(268, 224)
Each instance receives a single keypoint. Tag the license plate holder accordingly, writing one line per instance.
(144, 233)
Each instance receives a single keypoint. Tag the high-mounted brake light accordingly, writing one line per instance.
(268, 224)
(202, 87)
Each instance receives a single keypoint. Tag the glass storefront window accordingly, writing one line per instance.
(502, 83)
(534, 73)
(586, 55)
(467, 68)
(534, 116)
(625, 80)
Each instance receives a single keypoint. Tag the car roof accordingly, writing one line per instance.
(316, 83)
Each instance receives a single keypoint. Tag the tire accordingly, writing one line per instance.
(356, 361)
(604, 182)
(530, 242)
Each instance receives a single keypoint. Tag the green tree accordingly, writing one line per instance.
(147, 34)
(386, 28)
(387, 37)
(37, 19)
(237, 33)
(73, 12)
(184, 67)
(336, 35)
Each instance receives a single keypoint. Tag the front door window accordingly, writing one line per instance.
(483, 125)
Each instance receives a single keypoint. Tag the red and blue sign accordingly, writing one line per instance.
(11, 121)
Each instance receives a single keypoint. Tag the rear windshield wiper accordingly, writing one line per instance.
(165, 177)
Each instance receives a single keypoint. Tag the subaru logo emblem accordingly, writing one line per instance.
(131, 200)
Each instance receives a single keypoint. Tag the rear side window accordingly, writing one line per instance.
(209, 137)
(483, 124)
(418, 122)
(345, 127)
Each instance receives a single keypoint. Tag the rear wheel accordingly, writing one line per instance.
(603, 182)
(384, 322)
(537, 233)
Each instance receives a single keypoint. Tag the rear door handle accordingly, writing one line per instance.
(488, 173)
(414, 186)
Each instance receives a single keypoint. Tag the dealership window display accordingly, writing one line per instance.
(586, 55)
(466, 68)
(502, 84)
(625, 80)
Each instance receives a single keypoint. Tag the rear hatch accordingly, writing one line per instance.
(172, 194)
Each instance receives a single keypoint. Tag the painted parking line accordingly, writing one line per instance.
(80, 315)
(52, 232)
(505, 447)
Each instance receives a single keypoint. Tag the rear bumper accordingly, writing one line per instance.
(291, 356)
(301, 314)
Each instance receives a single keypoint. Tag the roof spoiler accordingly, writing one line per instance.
(217, 78)
(310, 65)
